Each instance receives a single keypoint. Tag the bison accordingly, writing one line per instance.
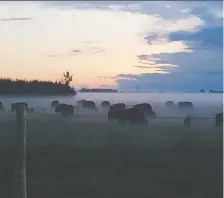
(80, 102)
(219, 119)
(116, 114)
(14, 105)
(105, 104)
(64, 109)
(54, 103)
(89, 105)
(1, 106)
(118, 106)
(185, 105)
(170, 104)
(146, 109)
(133, 115)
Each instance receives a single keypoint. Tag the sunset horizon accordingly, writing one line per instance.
(164, 46)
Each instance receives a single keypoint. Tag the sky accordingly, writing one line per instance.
(158, 45)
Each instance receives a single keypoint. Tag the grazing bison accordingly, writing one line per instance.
(1, 106)
(146, 109)
(133, 115)
(185, 104)
(105, 104)
(80, 102)
(170, 104)
(54, 103)
(14, 105)
(118, 106)
(219, 119)
(116, 114)
(89, 105)
(64, 109)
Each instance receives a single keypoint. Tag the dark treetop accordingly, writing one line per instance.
(34, 87)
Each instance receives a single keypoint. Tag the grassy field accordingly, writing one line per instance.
(92, 160)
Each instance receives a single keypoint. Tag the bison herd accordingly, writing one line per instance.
(137, 114)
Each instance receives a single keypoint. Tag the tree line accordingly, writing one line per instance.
(10, 86)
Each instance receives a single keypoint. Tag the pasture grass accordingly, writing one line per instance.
(88, 160)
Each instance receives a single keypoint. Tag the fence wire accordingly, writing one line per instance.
(101, 117)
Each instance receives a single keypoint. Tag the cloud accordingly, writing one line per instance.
(152, 57)
(198, 68)
(201, 69)
(70, 53)
(207, 15)
(205, 37)
(103, 77)
(154, 60)
(98, 49)
(167, 6)
(156, 66)
(151, 37)
(90, 42)
(54, 55)
(172, 82)
(76, 51)
(209, 35)
(143, 7)
(128, 77)
(142, 67)
(15, 19)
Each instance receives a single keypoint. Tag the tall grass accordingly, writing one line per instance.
(87, 160)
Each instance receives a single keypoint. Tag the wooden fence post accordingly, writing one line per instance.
(187, 122)
(20, 163)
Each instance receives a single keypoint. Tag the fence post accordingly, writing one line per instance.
(20, 163)
(187, 122)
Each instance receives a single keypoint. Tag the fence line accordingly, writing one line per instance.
(187, 120)
(157, 117)
(20, 150)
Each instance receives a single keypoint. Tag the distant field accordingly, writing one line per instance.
(88, 160)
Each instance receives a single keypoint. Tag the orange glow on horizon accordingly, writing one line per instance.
(86, 42)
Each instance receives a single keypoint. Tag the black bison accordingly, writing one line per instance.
(54, 103)
(185, 104)
(219, 119)
(64, 109)
(105, 104)
(1, 106)
(14, 105)
(89, 105)
(118, 106)
(146, 109)
(116, 114)
(170, 104)
(80, 102)
(133, 115)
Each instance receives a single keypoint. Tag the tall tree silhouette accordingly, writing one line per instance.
(67, 78)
